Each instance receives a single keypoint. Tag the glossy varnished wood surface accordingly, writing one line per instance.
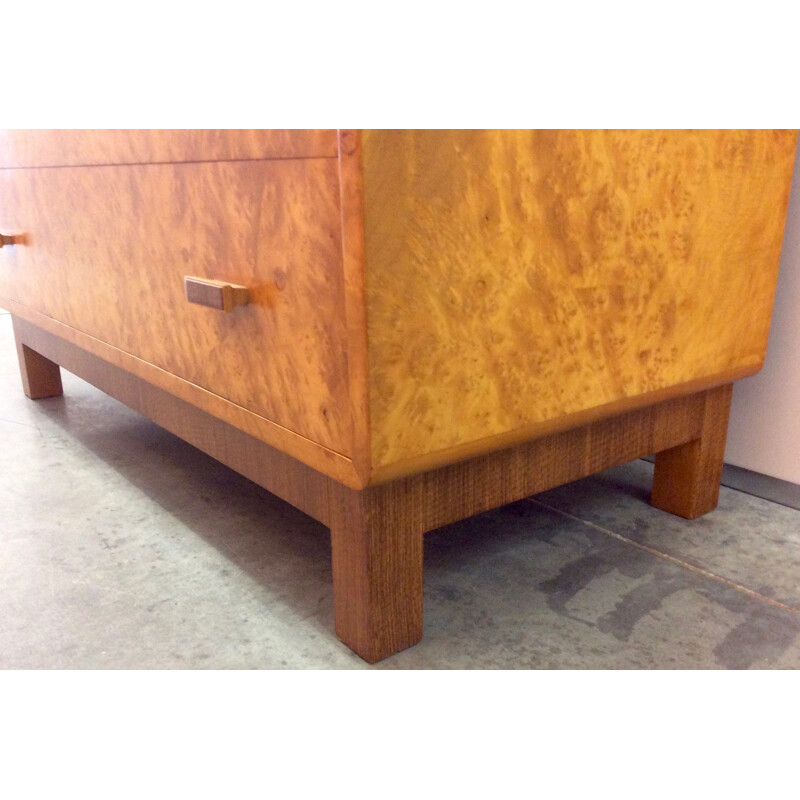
(377, 533)
(303, 487)
(457, 491)
(45, 148)
(110, 247)
(541, 430)
(434, 498)
(352, 210)
(519, 278)
(517, 283)
(326, 461)
(465, 292)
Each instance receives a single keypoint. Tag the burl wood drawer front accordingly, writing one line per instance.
(109, 248)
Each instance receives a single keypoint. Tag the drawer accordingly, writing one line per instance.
(109, 248)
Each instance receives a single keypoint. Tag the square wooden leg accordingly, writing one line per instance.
(376, 537)
(687, 477)
(40, 376)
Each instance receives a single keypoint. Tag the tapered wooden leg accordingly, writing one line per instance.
(376, 537)
(40, 376)
(687, 477)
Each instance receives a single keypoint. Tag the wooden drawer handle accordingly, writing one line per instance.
(13, 238)
(215, 294)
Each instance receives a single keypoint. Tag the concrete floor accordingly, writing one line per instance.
(123, 547)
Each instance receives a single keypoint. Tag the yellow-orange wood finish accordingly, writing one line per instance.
(517, 278)
(437, 322)
(426, 296)
(377, 533)
(110, 248)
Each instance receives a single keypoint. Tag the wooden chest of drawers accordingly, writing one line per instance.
(396, 329)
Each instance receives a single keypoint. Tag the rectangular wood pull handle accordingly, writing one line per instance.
(220, 295)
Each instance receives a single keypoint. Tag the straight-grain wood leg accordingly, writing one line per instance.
(376, 537)
(687, 477)
(41, 377)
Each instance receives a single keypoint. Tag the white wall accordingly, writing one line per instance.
(764, 432)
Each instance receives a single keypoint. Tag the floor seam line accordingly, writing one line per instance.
(672, 559)
(14, 422)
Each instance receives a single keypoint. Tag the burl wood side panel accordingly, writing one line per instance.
(109, 248)
(377, 534)
(46, 148)
(479, 484)
(515, 278)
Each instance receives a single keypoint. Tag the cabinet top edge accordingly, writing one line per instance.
(96, 147)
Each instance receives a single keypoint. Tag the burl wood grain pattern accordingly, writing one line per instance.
(303, 487)
(687, 478)
(514, 278)
(377, 533)
(480, 484)
(110, 248)
(423, 299)
(45, 148)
